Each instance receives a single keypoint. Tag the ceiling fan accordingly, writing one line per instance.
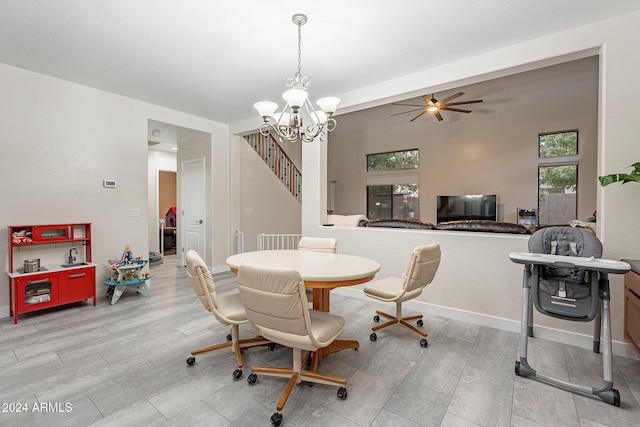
(434, 106)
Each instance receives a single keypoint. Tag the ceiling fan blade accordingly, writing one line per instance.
(438, 116)
(409, 111)
(417, 116)
(465, 102)
(407, 105)
(428, 100)
(444, 101)
(457, 110)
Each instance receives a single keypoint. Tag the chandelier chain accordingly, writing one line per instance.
(299, 47)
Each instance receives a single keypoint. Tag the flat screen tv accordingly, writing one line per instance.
(467, 207)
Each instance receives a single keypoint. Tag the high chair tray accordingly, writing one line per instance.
(563, 261)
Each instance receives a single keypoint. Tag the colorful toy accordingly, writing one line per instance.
(127, 271)
(20, 237)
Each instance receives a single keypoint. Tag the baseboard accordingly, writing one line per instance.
(4, 312)
(618, 348)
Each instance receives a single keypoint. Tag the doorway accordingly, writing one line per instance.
(167, 211)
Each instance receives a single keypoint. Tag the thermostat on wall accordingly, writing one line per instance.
(109, 183)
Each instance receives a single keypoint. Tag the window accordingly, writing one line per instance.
(407, 159)
(392, 196)
(555, 144)
(557, 189)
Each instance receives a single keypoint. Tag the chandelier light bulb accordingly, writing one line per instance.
(295, 98)
(266, 108)
(328, 104)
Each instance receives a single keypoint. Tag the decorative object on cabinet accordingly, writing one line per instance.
(57, 266)
(632, 304)
(127, 271)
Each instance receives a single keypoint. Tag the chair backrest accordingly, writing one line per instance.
(318, 244)
(201, 281)
(275, 299)
(422, 267)
(567, 241)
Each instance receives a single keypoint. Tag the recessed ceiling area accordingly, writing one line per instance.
(536, 86)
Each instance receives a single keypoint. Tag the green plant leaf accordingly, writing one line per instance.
(634, 176)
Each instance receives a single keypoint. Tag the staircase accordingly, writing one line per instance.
(281, 165)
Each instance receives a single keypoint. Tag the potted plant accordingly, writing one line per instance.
(408, 208)
(634, 176)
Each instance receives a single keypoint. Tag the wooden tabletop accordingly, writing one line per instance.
(318, 269)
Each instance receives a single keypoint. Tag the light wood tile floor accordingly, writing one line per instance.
(124, 365)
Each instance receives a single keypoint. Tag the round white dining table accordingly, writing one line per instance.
(321, 272)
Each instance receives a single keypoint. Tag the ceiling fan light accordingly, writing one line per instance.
(328, 104)
(433, 109)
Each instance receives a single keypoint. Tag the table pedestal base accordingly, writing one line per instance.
(334, 347)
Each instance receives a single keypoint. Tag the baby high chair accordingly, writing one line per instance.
(564, 277)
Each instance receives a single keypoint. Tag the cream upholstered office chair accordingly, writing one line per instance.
(317, 244)
(276, 303)
(421, 270)
(228, 309)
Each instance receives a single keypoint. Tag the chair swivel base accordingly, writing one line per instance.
(242, 345)
(403, 321)
(296, 376)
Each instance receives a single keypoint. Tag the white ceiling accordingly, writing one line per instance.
(215, 59)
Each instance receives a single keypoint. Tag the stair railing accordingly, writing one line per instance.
(276, 158)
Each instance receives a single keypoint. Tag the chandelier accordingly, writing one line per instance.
(298, 120)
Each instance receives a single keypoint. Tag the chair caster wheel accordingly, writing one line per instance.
(252, 379)
(517, 368)
(376, 318)
(276, 419)
(616, 397)
(237, 374)
(271, 346)
(229, 338)
(191, 361)
(424, 343)
(373, 336)
(342, 393)
(420, 323)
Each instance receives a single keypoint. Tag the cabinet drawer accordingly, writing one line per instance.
(632, 281)
(632, 318)
(76, 284)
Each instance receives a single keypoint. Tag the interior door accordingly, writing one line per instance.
(193, 207)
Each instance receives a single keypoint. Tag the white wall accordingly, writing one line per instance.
(476, 277)
(158, 161)
(265, 205)
(479, 153)
(61, 140)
